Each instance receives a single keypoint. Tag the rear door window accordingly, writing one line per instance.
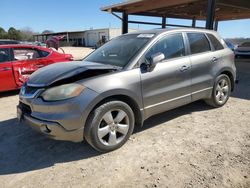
(215, 42)
(198, 43)
(25, 54)
(4, 55)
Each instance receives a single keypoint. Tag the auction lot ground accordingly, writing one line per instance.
(192, 146)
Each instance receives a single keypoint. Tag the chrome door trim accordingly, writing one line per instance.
(183, 96)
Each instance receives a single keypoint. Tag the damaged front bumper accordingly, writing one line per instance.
(60, 120)
(52, 129)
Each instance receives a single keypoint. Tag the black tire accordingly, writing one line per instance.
(96, 120)
(215, 102)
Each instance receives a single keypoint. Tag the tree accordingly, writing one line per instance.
(3, 34)
(14, 34)
(47, 31)
(27, 34)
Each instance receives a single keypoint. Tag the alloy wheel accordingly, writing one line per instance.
(222, 91)
(113, 127)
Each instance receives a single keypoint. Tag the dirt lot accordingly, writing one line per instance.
(77, 52)
(192, 146)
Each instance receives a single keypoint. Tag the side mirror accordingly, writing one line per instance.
(148, 65)
(154, 59)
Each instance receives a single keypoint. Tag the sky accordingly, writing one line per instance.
(72, 15)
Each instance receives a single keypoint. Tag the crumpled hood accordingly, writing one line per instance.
(60, 71)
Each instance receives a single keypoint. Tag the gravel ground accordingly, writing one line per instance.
(192, 146)
(77, 52)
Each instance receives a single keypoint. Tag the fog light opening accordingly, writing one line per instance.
(47, 130)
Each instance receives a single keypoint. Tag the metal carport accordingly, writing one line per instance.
(212, 11)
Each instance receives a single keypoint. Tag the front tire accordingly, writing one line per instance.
(221, 91)
(109, 126)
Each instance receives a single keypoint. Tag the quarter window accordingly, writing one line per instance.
(172, 46)
(4, 55)
(43, 53)
(198, 43)
(215, 42)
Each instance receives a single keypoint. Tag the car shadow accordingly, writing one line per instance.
(172, 114)
(23, 150)
(9, 93)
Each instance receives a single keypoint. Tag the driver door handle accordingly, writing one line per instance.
(184, 68)
(215, 59)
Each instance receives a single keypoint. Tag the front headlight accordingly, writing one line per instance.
(62, 92)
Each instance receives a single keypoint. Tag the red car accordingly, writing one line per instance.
(17, 62)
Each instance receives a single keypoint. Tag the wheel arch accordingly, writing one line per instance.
(138, 113)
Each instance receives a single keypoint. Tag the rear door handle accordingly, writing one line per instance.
(184, 68)
(215, 59)
(5, 69)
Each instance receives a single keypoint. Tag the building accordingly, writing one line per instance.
(89, 38)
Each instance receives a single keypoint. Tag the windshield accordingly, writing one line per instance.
(121, 50)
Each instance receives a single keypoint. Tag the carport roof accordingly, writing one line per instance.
(185, 9)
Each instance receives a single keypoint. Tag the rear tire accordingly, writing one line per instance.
(221, 91)
(109, 126)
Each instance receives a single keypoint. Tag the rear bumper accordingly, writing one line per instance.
(53, 130)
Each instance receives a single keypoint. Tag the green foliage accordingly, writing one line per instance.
(47, 31)
(25, 34)
(3, 34)
(14, 34)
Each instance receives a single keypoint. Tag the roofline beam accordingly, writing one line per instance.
(114, 14)
(163, 22)
(240, 4)
(234, 6)
(211, 4)
(109, 8)
(145, 23)
(160, 24)
(159, 4)
(169, 16)
(193, 22)
(124, 23)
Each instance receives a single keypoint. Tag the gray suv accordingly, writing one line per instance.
(126, 81)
